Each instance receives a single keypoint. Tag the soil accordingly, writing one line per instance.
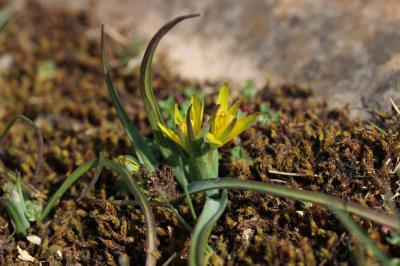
(53, 75)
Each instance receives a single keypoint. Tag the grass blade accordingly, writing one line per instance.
(281, 191)
(39, 137)
(212, 211)
(151, 239)
(140, 145)
(66, 185)
(362, 237)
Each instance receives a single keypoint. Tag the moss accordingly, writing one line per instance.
(341, 157)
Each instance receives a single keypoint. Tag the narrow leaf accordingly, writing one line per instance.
(140, 145)
(146, 89)
(65, 186)
(281, 191)
(169, 150)
(151, 238)
(212, 211)
(353, 228)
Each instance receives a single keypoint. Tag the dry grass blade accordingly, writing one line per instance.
(394, 106)
(96, 176)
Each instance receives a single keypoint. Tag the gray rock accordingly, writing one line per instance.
(348, 51)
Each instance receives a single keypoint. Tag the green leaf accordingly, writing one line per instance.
(33, 210)
(167, 109)
(374, 125)
(266, 116)
(169, 150)
(66, 185)
(139, 143)
(146, 90)
(296, 194)
(238, 153)
(212, 211)
(13, 199)
(249, 90)
(150, 101)
(363, 238)
(151, 238)
(130, 163)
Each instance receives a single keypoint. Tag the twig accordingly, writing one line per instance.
(116, 36)
(287, 173)
(394, 106)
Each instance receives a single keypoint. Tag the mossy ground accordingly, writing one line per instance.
(55, 78)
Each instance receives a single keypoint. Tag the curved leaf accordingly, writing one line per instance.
(212, 211)
(140, 144)
(66, 185)
(151, 238)
(281, 191)
(363, 238)
(169, 150)
(146, 90)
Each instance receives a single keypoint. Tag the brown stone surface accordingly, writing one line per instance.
(347, 50)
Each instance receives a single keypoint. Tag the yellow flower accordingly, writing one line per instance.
(196, 119)
(225, 123)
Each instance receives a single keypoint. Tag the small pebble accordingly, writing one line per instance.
(34, 239)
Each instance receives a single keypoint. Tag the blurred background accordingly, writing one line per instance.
(347, 51)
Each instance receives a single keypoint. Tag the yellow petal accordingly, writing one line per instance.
(223, 97)
(172, 135)
(213, 140)
(224, 137)
(199, 116)
(177, 115)
(241, 125)
(233, 109)
(194, 113)
(221, 121)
